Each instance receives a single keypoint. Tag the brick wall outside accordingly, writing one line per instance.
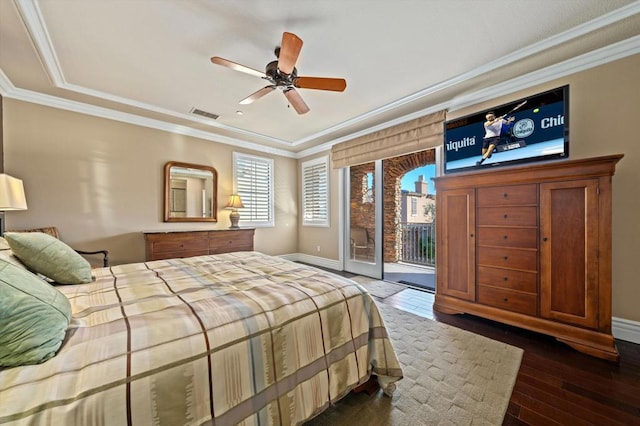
(362, 213)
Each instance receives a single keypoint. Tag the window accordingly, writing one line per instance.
(315, 192)
(414, 206)
(253, 181)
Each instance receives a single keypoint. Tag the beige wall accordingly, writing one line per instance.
(101, 181)
(604, 109)
(310, 237)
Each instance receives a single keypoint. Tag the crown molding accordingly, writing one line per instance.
(518, 55)
(7, 90)
(34, 22)
(32, 18)
(574, 65)
(583, 62)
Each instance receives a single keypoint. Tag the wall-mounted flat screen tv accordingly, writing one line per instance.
(532, 129)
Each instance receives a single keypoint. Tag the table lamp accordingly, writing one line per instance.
(235, 203)
(11, 196)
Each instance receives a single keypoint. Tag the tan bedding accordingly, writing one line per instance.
(239, 337)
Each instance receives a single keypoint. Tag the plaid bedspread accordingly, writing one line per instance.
(238, 338)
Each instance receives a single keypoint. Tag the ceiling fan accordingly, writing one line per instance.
(282, 74)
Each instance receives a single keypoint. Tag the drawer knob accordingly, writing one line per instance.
(505, 278)
(505, 299)
(504, 195)
(506, 257)
(471, 235)
(505, 237)
(505, 216)
(544, 239)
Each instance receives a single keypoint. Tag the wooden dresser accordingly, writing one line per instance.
(166, 245)
(531, 247)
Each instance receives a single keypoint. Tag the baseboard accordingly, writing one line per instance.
(313, 260)
(626, 330)
(623, 329)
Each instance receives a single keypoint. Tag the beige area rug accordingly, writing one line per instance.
(378, 288)
(451, 377)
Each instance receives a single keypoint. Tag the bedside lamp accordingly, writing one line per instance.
(235, 203)
(11, 196)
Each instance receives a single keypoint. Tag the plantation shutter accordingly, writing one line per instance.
(254, 184)
(315, 192)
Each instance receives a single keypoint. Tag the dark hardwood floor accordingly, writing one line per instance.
(556, 385)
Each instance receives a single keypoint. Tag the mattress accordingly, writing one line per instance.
(236, 338)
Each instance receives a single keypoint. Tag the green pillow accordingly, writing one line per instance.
(34, 317)
(50, 257)
(4, 245)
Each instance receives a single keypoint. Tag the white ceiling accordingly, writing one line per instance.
(148, 61)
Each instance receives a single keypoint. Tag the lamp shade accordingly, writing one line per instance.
(11, 193)
(235, 202)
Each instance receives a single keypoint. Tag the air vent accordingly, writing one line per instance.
(211, 115)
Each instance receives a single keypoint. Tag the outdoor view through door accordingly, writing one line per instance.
(409, 219)
(390, 227)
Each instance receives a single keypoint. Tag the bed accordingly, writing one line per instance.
(237, 338)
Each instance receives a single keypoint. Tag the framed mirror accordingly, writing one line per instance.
(190, 192)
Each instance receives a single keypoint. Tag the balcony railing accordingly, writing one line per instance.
(418, 243)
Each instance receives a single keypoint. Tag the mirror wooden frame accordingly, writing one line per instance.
(167, 193)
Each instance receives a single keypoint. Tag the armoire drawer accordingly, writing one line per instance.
(507, 216)
(507, 195)
(509, 279)
(524, 303)
(508, 237)
(513, 258)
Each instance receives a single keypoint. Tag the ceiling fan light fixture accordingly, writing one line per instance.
(282, 74)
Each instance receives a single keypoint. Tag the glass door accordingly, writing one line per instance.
(363, 219)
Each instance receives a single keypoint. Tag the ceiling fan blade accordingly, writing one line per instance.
(289, 51)
(295, 100)
(321, 83)
(257, 95)
(230, 64)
